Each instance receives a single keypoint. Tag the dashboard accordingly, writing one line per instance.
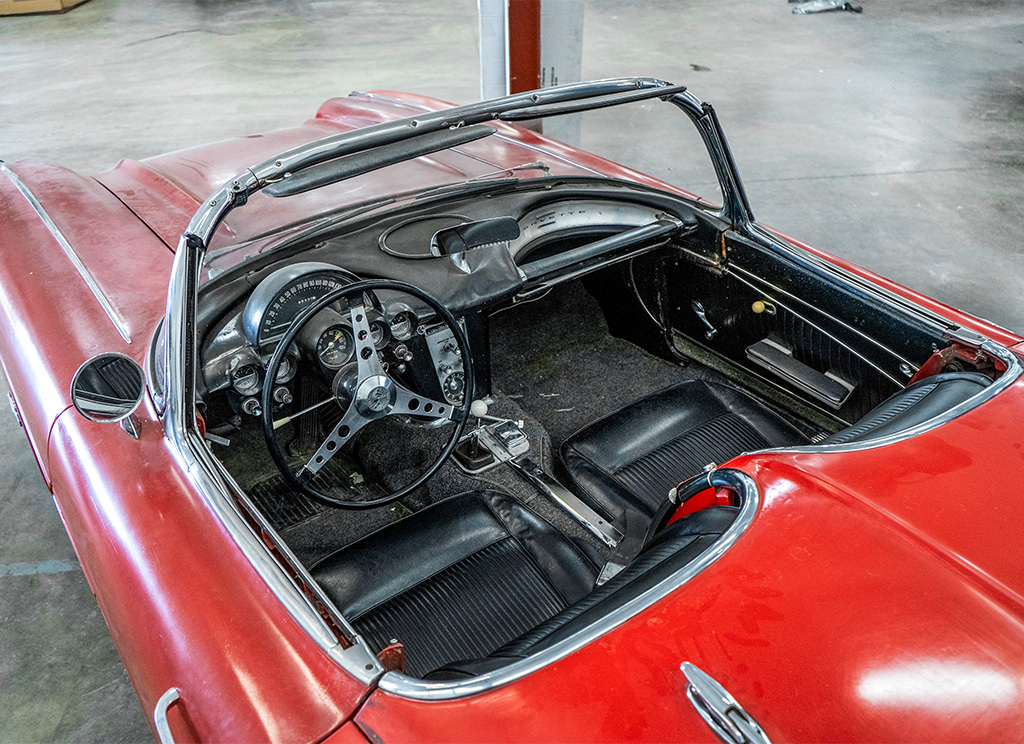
(412, 344)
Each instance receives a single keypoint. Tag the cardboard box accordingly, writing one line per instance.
(20, 7)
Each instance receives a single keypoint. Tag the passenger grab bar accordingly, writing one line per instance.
(661, 228)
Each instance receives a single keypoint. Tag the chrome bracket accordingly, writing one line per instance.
(720, 711)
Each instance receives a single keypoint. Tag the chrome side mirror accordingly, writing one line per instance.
(108, 388)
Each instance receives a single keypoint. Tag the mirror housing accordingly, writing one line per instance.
(108, 388)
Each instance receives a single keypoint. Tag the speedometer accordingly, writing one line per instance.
(283, 295)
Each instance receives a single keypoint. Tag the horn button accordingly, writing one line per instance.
(375, 396)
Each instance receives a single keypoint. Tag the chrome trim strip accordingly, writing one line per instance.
(203, 469)
(163, 728)
(1014, 368)
(397, 683)
(118, 322)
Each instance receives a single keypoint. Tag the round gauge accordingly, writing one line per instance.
(380, 333)
(245, 379)
(335, 347)
(287, 370)
(454, 385)
(283, 295)
(403, 326)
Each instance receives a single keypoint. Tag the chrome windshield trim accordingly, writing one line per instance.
(1013, 371)
(399, 684)
(94, 287)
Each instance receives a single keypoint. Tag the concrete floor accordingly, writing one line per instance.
(894, 138)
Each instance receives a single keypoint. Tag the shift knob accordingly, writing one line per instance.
(478, 408)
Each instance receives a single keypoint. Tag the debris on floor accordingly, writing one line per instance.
(822, 6)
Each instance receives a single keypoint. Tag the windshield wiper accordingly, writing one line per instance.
(535, 165)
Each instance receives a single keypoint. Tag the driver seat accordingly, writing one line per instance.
(457, 580)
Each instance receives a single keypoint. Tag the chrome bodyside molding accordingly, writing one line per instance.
(160, 723)
(1014, 368)
(397, 683)
(119, 324)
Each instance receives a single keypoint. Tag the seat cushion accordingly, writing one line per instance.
(632, 458)
(456, 580)
(913, 405)
(675, 547)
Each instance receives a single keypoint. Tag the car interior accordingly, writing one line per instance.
(571, 350)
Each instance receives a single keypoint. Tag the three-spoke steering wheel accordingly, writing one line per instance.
(374, 394)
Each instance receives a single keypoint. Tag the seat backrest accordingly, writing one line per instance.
(913, 405)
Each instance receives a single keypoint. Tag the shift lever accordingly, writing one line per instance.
(469, 452)
(477, 408)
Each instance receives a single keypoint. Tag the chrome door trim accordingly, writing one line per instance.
(751, 282)
(399, 684)
(90, 281)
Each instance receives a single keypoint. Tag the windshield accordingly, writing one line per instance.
(650, 142)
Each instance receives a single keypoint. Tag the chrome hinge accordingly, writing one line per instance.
(719, 709)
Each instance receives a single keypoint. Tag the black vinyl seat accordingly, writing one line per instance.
(457, 580)
(478, 581)
(671, 550)
(631, 459)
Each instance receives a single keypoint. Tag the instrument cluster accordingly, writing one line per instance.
(235, 356)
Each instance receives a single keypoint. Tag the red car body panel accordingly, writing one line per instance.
(864, 575)
(870, 611)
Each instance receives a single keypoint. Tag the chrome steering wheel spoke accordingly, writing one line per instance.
(367, 363)
(373, 395)
(340, 435)
(409, 403)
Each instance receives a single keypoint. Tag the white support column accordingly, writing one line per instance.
(493, 48)
(561, 58)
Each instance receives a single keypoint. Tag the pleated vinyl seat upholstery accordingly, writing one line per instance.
(457, 580)
(632, 458)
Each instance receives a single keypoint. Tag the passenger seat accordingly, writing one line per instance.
(632, 458)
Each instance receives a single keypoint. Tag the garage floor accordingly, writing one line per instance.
(894, 138)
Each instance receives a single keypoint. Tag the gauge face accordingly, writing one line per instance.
(292, 301)
(380, 333)
(454, 386)
(282, 296)
(402, 326)
(246, 379)
(286, 370)
(335, 347)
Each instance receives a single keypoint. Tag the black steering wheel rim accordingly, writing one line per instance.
(459, 413)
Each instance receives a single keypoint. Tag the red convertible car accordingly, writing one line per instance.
(414, 424)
